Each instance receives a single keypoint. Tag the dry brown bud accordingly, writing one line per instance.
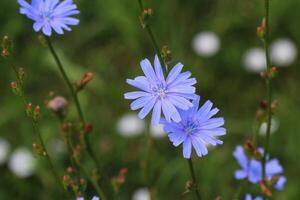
(13, 85)
(264, 189)
(88, 128)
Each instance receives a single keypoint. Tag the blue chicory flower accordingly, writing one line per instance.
(197, 128)
(50, 14)
(161, 94)
(94, 198)
(252, 168)
(249, 197)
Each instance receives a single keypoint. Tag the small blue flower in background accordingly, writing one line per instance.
(249, 197)
(50, 14)
(197, 128)
(252, 169)
(160, 94)
(94, 198)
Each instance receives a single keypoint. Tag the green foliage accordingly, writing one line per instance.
(110, 42)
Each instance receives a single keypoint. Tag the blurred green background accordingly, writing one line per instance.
(110, 42)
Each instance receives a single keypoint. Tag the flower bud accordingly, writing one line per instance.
(87, 77)
(87, 128)
(21, 73)
(189, 185)
(264, 188)
(261, 29)
(57, 104)
(36, 112)
(166, 54)
(6, 45)
(145, 16)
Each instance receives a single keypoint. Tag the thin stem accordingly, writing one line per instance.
(75, 98)
(67, 80)
(85, 172)
(74, 95)
(268, 87)
(195, 183)
(36, 130)
(153, 40)
(147, 154)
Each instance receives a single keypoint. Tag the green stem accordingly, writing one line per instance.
(153, 40)
(268, 86)
(74, 95)
(195, 183)
(85, 141)
(269, 92)
(147, 155)
(37, 132)
(79, 166)
(67, 80)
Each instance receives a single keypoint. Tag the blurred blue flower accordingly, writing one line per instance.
(159, 93)
(249, 197)
(50, 14)
(197, 128)
(252, 169)
(94, 198)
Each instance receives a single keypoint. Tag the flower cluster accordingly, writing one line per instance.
(50, 14)
(251, 169)
(175, 98)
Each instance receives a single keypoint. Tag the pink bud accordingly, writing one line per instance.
(57, 104)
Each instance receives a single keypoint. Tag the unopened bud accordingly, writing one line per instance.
(6, 45)
(87, 77)
(13, 85)
(34, 146)
(145, 16)
(21, 73)
(261, 29)
(71, 170)
(88, 128)
(264, 189)
(264, 104)
(57, 104)
(189, 185)
(36, 112)
(66, 180)
(166, 54)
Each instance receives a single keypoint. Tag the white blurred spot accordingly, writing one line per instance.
(130, 125)
(283, 52)
(22, 163)
(255, 60)
(206, 44)
(274, 127)
(141, 194)
(4, 150)
(157, 131)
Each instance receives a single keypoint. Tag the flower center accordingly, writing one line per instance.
(160, 90)
(190, 127)
(47, 15)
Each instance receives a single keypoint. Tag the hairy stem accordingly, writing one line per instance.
(194, 179)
